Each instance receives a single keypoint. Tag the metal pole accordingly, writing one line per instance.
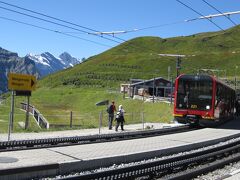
(178, 65)
(153, 88)
(235, 77)
(13, 104)
(10, 127)
(100, 121)
(143, 89)
(71, 119)
(27, 113)
(143, 119)
(171, 88)
(235, 82)
(169, 71)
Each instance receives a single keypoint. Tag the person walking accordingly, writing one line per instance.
(110, 110)
(120, 118)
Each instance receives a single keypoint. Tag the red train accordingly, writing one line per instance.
(203, 100)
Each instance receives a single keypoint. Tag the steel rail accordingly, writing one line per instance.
(172, 165)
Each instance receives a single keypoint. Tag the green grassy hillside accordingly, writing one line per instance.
(138, 58)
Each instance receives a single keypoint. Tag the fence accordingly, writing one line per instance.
(75, 120)
(41, 121)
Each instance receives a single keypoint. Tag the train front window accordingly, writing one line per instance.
(194, 94)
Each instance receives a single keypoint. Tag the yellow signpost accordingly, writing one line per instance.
(22, 82)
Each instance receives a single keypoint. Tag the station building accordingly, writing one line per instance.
(157, 86)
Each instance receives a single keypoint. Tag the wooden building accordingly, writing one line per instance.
(158, 86)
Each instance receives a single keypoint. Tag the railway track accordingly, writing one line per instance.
(76, 140)
(184, 165)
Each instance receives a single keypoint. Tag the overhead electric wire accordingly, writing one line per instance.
(157, 26)
(214, 16)
(94, 32)
(51, 17)
(138, 29)
(56, 31)
(219, 12)
(7, 9)
(61, 20)
(199, 14)
(28, 15)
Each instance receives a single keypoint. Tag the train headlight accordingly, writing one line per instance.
(207, 107)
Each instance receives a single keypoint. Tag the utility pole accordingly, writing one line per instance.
(178, 61)
(235, 78)
(178, 65)
(169, 72)
(171, 89)
(153, 88)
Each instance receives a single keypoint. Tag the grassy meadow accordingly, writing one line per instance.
(56, 105)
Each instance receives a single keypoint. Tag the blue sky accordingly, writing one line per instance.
(104, 15)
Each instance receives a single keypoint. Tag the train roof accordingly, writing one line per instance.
(195, 77)
(203, 77)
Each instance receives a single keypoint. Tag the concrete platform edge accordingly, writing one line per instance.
(50, 170)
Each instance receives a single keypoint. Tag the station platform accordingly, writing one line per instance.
(84, 132)
(35, 163)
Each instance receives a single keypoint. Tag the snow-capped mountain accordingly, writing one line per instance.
(67, 58)
(46, 63)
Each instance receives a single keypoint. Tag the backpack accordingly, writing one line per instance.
(119, 117)
(110, 109)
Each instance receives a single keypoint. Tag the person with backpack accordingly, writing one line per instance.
(120, 118)
(110, 110)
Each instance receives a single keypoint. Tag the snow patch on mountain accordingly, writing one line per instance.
(47, 63)
(38, 59)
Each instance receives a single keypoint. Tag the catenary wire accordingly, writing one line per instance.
(101, 35)
(28, 15)
(61, 20)
(219, 12)
(199, 14)
(56, 31)
(139, 47)
(51, 17)
(158, 26)
(71, 23)
(7, 9)
(86, 27)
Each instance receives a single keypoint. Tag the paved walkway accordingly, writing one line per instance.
(81, 157)
(83, 132)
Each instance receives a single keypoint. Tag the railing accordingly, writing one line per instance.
(41, 121)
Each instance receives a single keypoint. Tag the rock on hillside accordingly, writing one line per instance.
(10, 62)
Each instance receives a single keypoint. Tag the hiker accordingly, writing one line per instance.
(120, 118)
(110, 110)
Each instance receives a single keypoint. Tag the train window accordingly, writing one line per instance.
(194, 94)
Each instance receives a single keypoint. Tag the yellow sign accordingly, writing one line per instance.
(21, 82)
